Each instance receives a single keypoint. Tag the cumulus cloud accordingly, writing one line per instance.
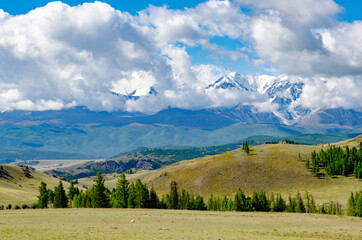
(58, 56)
(332, 92)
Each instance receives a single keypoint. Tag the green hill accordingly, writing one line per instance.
(269, 167)
(19, 184)
(154, 158)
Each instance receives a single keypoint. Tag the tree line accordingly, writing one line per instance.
(337, 161)
(137, 195)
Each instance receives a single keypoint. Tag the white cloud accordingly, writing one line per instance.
(332, 92)
(311, 12)
(59, 56)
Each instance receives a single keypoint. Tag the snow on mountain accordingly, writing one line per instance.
(231, 81)
(146, 91)
(283, 91)
(246, 95)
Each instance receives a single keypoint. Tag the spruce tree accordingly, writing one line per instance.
(43, 196)
(51, 196)
(154, 201)
(121, 194)
(142, 195)
(199, 203)
(246, 148)
(100, 194)
(299, 208)
(60, 197)
(72, 191)
(131, 201)
(351, 205)
(173, 195)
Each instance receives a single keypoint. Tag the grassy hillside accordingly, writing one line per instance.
(19, 185)
(154, 158)
(274, 167)
(172, 224)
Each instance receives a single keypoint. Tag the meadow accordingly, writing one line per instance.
(270, 167)
(173, 224)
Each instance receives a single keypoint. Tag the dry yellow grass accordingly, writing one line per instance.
(19, 189)
(273, 168)
(171, 224)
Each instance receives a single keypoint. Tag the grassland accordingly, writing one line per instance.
(273, 168)
(19, 189)
(171, 224)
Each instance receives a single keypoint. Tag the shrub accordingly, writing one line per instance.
(2, 207)
(25, 206)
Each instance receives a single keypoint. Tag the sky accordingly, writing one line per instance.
(56, 55)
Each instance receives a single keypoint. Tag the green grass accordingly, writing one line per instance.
(171, 224)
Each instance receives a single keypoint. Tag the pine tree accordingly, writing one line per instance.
(224, 204)
(154, 201)
(307, 163)
(199, 203)
(292, 204)
(100, 195)
(121, 194)
(299, 208)
(246, 148)
(72, 191)
(131, 201)
(358, 204)
(173, 195)
(351, 205)
(51, 196)
(43, 196)
(280, 205)
(60, 197)
(142, 195)
(241, 203)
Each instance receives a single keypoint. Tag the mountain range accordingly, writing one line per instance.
(100, 133)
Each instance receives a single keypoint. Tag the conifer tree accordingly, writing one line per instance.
(351, 205)
(60, 197)
(100, 195)
(241, 203)
(141, 195)
(131, 201)
(121, 193)
(199, 203)
(224, 204)
(51, 196)
(154, 201)
(43, 196)
(358, 204)
(173, 195)
(246, 148)
(299, 208)
(72, 191)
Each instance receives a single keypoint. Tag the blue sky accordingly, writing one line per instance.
(352, 11)
(20, 7)
(65, 54)
(353, 8)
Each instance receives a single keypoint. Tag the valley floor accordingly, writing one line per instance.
(172, 224)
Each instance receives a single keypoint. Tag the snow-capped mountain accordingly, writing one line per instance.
(136, 94)
(231, 81)
(284, 93)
